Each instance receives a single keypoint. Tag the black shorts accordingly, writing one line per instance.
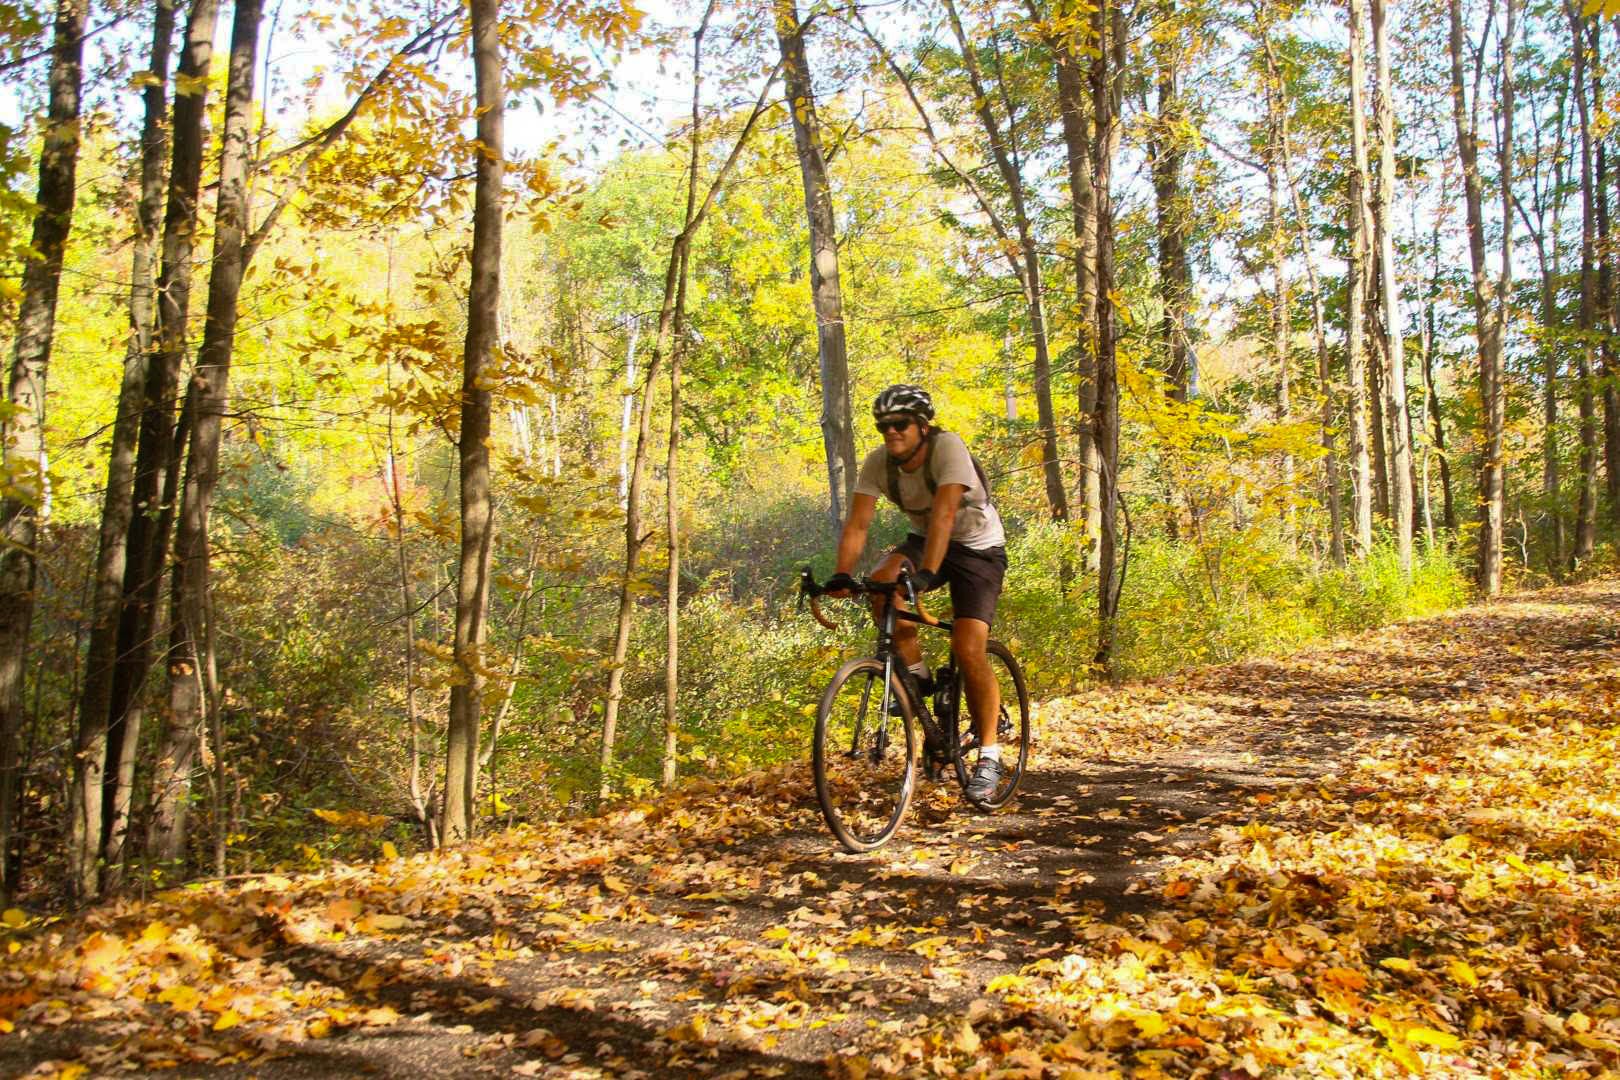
(974, 575)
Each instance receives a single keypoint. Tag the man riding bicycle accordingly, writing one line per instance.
(956, 540)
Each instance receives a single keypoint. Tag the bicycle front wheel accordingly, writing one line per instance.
(865, 755)
(1012, 727)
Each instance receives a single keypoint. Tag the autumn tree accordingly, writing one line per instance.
(24, 486)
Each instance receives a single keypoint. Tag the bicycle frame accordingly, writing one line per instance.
(887, 654)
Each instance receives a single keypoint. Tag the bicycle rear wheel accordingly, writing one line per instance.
(865, 756)
(1012, 727)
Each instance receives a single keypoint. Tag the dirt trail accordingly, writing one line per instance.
(720, 933)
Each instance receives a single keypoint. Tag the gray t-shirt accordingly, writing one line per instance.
(978, 526)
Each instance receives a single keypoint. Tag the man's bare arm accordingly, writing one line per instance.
(941, 519)
(852, 541)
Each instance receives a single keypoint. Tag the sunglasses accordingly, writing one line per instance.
(886, 426)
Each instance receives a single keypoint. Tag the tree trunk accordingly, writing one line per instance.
(672, 634)
(1400, 423)
(1168, 153)
(1107, 72)
(90, 764)
(1004, 151)
(1075, 112)
(193, 685)
(1437, 430)
(1488, 329)
(1586, 511)
(633, 540)
(1324, 368)
(1608, 312)
(837, 424)
(1281, 319)
(161, 440)
(24, 426)
(1356, 288)
(477, 515)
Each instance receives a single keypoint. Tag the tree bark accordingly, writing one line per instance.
(1281, 319)
(1356, 288)
(477, 515)
(633, 539)
(1608, 308)
(1107, 72)
(24, 427)
(1168, 152)
(1075, 110)
(1488, 329)
(161, 439)
(837, 423)
(1324, 367)
(1586, 510)
(672, 624)
(1004, 152)
(193, 682)
(1400, 423)
(85, 812)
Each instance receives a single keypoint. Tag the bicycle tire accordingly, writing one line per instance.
(1012, 727)
(864, 790)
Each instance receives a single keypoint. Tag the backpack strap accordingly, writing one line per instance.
(933, 484)
(893, 469)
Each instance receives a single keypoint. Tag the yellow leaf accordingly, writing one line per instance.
(227, 1020)
(14, 917)
(181, 998)
(1396, 963)
(1151, 1025)
(614, 884)
(1462, 974)
(1407, 1057)
(776, 933)
(1440, 1040)
(392, 852)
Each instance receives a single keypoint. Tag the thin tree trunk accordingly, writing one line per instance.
(1168, 153)
(1608, 308)
(837, 424)
(1356, 289)
(1487, 325)
(1281, 319)
(1586, 511)
(672, 627)
(1400, 423)
(633, 539)
(1437, 429)
(194, 699)
(24, 426)
(477, 514)
(627, 410)
(1107, 72)
(1068, 46)
(161, 441)
(91, 759)
(1324, 368)
(1004, 151)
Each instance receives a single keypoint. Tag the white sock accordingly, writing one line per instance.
(919, 669)
(990, 753)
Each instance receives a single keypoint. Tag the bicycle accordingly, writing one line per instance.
(865, 754)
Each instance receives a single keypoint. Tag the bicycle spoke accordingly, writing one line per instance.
(866, 783)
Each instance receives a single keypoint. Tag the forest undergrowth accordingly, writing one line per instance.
(1394, 855)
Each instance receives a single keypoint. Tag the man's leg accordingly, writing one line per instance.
(968, 640)
(905, 633)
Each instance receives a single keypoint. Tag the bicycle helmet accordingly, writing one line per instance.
(904, 398)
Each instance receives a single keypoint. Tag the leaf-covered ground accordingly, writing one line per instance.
(1398, 855)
